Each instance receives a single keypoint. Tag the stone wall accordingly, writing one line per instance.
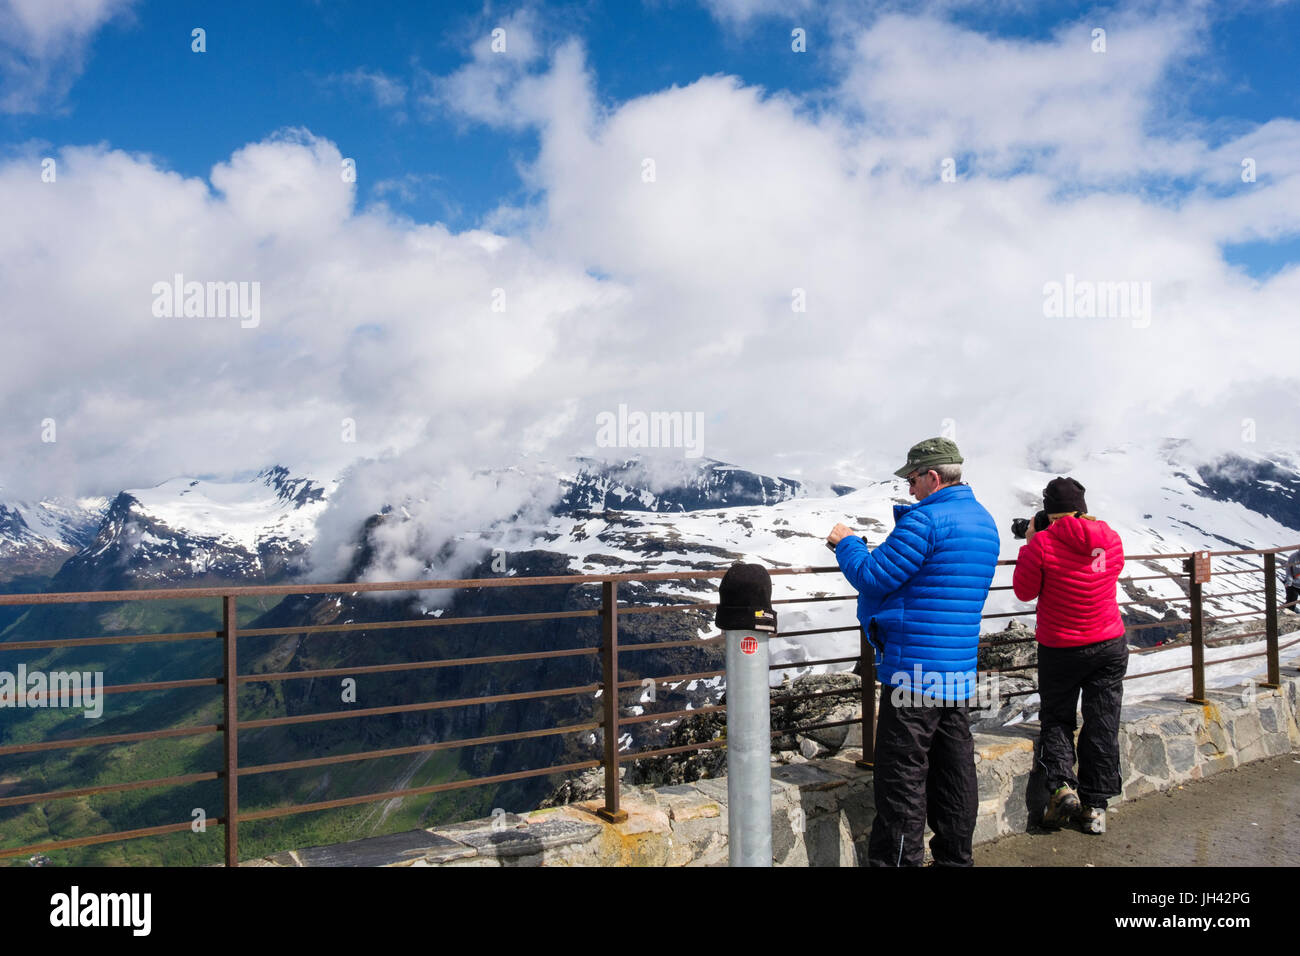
(822, 809)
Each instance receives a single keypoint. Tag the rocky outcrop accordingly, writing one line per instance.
(841, 701)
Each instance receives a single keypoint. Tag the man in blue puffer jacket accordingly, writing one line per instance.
(920, 597)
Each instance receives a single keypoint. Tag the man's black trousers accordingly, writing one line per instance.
(925, 767)
(1096, 671)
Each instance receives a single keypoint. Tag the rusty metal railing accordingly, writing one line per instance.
(610, 650)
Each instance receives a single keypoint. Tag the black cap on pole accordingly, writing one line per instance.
(745, 600)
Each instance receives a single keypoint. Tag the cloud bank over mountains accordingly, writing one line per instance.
(797, 268)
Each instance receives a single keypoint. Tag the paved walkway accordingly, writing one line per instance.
(1244, 817)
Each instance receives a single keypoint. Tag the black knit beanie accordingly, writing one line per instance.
(745, 599)
(1063, 494)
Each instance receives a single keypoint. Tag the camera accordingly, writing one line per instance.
(831, 547)
(1020, 526)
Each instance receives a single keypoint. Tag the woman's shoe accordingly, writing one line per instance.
(1062, 807)
(1092, 819)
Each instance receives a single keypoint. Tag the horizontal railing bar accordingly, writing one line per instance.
(667, 714)
(109, 788)
(1224, 617)
(411, 708)
(1152, 577)
(146, 685)
(662, 751)
(1146, 625)
(825, 660)
(1174, 600)
(1166, 670)
(645, 645)
(414, 665)
(97, 641)
(414, 791)
(417, 623)
(414, 749)
(809, 600)
(653, 608)
(710, 605)
(105, 838)
(817, 630)
(822, 726)
(1238, 657)
(791, 698)
(1007, 640)
(1232, 639)
(1018, 667)
(109, 739)
(671, 678)
(1154, 647)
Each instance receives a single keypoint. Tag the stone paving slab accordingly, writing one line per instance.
(525, 841)
(1182, 826)
(374, 851)
(808, 776)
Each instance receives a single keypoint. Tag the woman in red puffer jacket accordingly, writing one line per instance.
(1072, 567)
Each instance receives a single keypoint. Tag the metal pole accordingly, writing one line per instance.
(1198, 645)
(868, 668)
(230, 730)
(1270, 620)
(609, 697)
(749, 750)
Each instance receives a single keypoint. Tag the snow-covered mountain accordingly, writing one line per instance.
(35, 538)
(187, 530)
(635, 516)
(680, 486)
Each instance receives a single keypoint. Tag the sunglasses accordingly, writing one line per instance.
(915, 476)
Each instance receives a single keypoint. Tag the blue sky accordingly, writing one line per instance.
(682, 213)
(271, 65)
(283, 64)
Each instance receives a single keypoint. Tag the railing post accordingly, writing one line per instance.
(230, 731)
(1270, 620)
(609, 682)
(868, 667)
(1198, 634)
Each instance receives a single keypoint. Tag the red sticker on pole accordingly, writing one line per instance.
(748, 645)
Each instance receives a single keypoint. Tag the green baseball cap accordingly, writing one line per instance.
(926, 454)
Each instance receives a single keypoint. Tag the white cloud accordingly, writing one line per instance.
(363, 316)
(740, 12)
(387, 91)
(43, 47)
(503, 51)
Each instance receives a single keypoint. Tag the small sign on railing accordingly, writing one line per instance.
(1198, 566)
